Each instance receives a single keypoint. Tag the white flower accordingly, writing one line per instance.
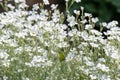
(53, 6)
(74, 32)
(56, 16)
(82, 8)
(95, 20)
(104, 24)
(101, 60)
(22, 6)
(93, 77)
(11, 6)
(69, 57)
(104, 77)
(84, 35)
(112, 52)
(77, 1)
(21, 34)
(91, 38)
(77, 12)
(19, 1)
(3, 55)
(5, 63)
(18, 50)
(88, 26)
(35, 7)
(71, 20)
(88, 15)
(62, 44)
(66, 0)
(39, 61)
(95, 32)
(12, 42)
(84, 21)
(88, 63)
(46, 2)
(44, 13)
(5, 77)
(103, 67)
(111, 24)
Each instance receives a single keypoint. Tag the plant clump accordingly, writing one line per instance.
(42, 44)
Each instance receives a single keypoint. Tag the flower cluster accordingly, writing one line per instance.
(38, 45)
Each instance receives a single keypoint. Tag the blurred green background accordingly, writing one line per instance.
(105, 10)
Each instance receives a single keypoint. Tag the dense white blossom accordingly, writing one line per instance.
(112, 52)
(37, 44)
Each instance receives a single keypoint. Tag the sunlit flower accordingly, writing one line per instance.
(77, 1)
(46, 2)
